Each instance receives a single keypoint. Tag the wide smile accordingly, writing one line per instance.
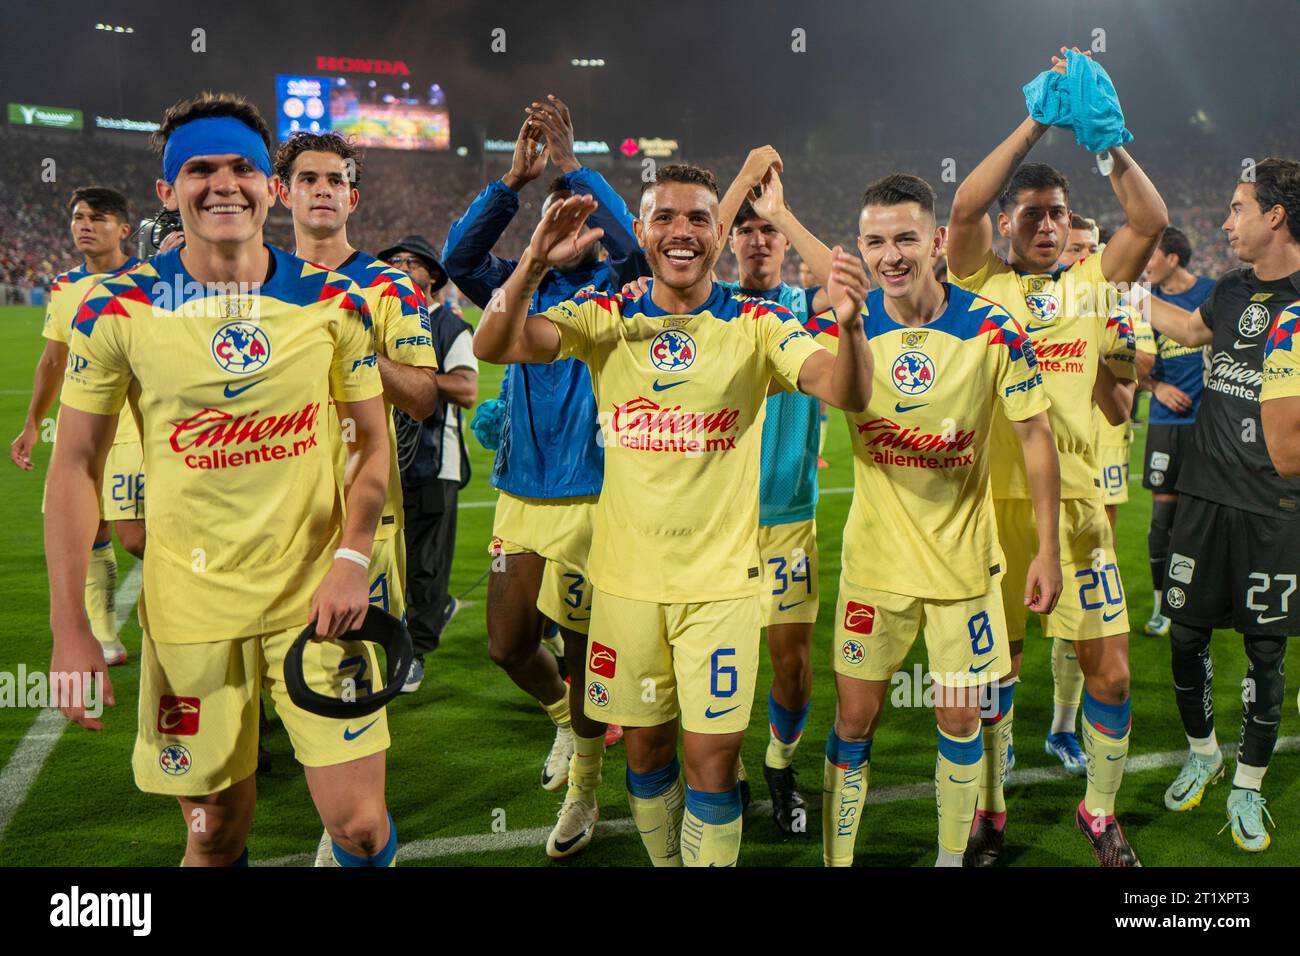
(225, 210)
(895, 276)
(681, 259)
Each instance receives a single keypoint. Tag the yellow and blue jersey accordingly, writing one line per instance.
(921, 522)
(231, 385)
(1282, 356)
(787, 482)
(681, 400)
(1070, 316)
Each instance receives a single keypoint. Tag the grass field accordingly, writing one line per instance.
(467, 748)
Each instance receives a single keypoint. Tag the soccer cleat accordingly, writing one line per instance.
(574, 828)
(1065, 748)
(114, 653)
(985, 843)
(742, 780)
(453, 607)
(1188, 788)
(1107, 839)
(414, 676)
(613, 734)
(789, 808)
(555, 771)
(1246, 813)
(1157, 625)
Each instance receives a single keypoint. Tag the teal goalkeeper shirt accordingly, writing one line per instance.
(787, 483)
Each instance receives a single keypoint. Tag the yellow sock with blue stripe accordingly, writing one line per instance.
(711, 827)
(844, 796)
(956, 787)
(657, 799)
(996, 732)
(384, 858)
(1105, 740)
(101, 592)
(786, 728)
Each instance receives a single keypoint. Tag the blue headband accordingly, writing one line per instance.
(213, 136)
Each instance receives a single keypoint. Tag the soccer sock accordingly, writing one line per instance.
(1205, 746)
(1248, 777)
(711, 828)
(585, 764)
(1067, 681)
(1162, 524)
(101, 588)
(559, 711)
(844, 795)
(786, 731)
(956, 787)
(384, 858)
(657, 800)
(1262, 693)
(996, 734)
(1105, 739)
(1193, 669)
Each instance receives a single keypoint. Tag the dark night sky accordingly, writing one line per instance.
(933, 73)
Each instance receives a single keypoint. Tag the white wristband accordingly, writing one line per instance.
(356, 557)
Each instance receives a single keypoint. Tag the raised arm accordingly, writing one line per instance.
(843, 380)
(771, 205)
(751, 174)
(1128, 250)
(510, 335)
(970, 231)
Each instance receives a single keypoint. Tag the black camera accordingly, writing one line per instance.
(152, 232)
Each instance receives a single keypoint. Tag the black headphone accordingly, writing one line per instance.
(377, 628)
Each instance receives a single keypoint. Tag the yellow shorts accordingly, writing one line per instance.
(559, 529)
(1092, 596)
(197, 729)
(790, 570)
(1113, 462)
(565, 597)
(388, 574)
(649, 662)
(965, 640)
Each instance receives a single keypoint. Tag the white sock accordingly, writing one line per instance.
(1064, 717)
(1155, 605)
(1248, 777)
(1205, 746)
(948, 859)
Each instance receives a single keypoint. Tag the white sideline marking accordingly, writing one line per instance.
(536, 836)
(493, 504)
(34, 749)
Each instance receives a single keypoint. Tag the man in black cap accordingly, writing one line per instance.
(432, 456)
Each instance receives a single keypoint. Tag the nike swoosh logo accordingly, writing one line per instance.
(563, 845)
(572, 618)
(233, 392)
(976, 670)
(1111, 617)
(1244, 832)
(349, 735)
(900, 407)
(1031, 329)
(786, 607)
(1239, 344)
(955, 780)
(1114, 757)
(1269, 620)
(708, 712)
(663, 388)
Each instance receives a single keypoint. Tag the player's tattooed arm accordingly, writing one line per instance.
(1126, 254)
(1281, 420)
(340, 603)
(843, 380)
(1185, 328)
(970, 230)
(506, 333)
(771, 205)
(45, 388)
(414, 390)
(1113, 395)
(1043, 471)
(71, 519)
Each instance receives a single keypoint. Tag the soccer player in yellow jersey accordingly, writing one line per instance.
(228, 352)
(101, 222)
(318, 175)
(680, 377)
(920, 545)
(1086, 356)
(1279, 408)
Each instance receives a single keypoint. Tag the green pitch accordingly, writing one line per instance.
(467, 748)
